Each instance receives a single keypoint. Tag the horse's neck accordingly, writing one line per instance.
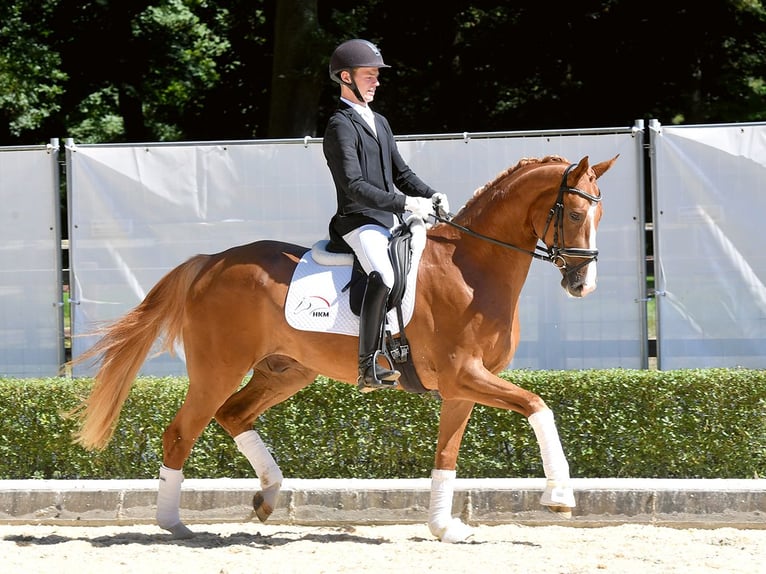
(490, 272)
(505, 224)
(493, 272)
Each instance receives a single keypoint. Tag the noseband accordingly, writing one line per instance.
(555, 254)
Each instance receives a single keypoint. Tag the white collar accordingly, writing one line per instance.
(364, 111)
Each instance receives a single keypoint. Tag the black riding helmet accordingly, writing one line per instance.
(351, 54)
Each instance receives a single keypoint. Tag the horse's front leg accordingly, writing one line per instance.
(488, 389)
(452, 422)
(558, 495)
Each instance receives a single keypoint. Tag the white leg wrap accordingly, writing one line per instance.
(169, 502)
(440, 519)
(555, 465)
(250, 444)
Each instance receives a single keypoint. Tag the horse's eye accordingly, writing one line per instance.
(575, 216)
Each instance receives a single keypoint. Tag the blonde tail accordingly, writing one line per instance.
(123, 348)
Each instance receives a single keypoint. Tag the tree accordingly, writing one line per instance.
(159, 57)
(160, 70)
(31, 79)
(497, 66)
(296, 81)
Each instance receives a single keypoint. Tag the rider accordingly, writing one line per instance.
(374, 187)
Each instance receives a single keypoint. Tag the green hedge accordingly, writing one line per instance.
(613, 423)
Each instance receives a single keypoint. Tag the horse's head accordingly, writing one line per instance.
(562, 215)
(570, 228)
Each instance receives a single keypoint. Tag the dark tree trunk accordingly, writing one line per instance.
(297, 76)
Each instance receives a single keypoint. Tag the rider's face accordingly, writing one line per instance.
(366, 80)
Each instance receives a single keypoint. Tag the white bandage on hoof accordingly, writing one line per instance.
(440, 520)
(169, 502)
(455, 531)
(559, 498)
(267, 470)
(555, 463)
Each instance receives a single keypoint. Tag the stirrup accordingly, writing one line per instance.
(371, 378)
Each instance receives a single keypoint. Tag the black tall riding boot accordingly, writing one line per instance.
(371, 318)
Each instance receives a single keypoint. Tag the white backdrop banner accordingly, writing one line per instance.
(31, 320)
(710, 198)
(136, 211)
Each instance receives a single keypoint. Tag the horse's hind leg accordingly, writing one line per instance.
(452, 422)
(179, 437)
(274, 380)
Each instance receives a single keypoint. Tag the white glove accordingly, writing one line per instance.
(420, 207)
(440, 201)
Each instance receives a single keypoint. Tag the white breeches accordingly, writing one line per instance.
(370, 244)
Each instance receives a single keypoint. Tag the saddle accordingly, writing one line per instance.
(395, 347)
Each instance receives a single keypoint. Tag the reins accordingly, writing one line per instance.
(555, 254)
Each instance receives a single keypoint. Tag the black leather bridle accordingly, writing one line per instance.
(555, 254)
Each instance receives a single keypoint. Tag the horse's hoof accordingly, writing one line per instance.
(557, 495)
(179, 531)
(561, 511)
(261, 508)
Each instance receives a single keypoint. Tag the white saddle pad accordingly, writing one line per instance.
(316, 302)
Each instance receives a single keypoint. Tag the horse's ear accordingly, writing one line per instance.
(601, 168)
(579, 169)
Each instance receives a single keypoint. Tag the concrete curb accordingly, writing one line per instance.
(699, 503)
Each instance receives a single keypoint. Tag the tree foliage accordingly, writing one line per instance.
(31, 78)
(195, 70)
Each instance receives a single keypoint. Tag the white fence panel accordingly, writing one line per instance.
(709, 200)
(138, 211)
(31, 325)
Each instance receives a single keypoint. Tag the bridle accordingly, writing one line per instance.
(555, 254)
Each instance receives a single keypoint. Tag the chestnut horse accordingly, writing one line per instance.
(228, 311)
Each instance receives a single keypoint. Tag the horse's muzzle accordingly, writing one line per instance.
(578, 282)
